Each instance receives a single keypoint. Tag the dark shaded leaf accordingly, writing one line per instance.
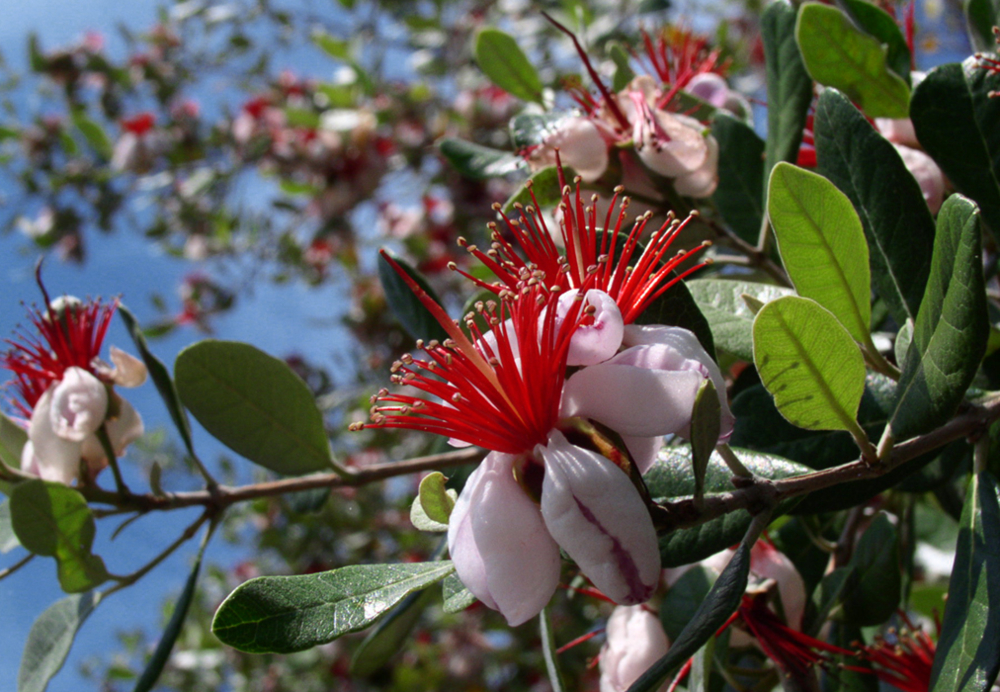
(739, 196)
(897, 222)
(874, 588)
(405, 306)
(389, 636)
(980, 18)
(254, 404)
(680, 604)
(286, 614)
(950, 333)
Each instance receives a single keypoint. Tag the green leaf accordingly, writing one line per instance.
(721, 302)
(828, 596)
(456, 597)
(545, 185)
(94, 134)
(406, 307)
(8, 539)
(704, 432)
(670, 479)
(388, 637)
(683, 599)
(50, 639)
(623, 70)
(873, 590)
(879, 24)
(502, 60)
(717, 607)
(334, 47)
(172, 631)
(897, 222)
(955, 119)
(54, 520)
(838, 55)
(161, 378)
(528, 129)
(968, 649)
(822, 245)
(12, 439)
(949, 336)
(809, 364)
(789, 86)
(286, 614)
(739, 196)
(980, 18)
(476, 161)
(678, 308)
(254, 404)
(435, 498)
(549, 652)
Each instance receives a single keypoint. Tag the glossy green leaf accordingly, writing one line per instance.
(172, 631)
(718, 606)
(50, 639)
(739, 196)
(968, 649)
(704, 432)
(405, 306)
(789, 86)
(8, 539)
(980, 18)
(955, 119)
(545, 185)
(503, 61)
(456, 597)
(254, 404)
(54, 520)
(160, 376)
(476, 161)
(680, 604)
(731, 320)
(873, 590)
(950, 333)
(809, 364)
(670, 478)
(95, 135)
(286, 614)
(822, 245)
(12, 439)
(897, 222)
(389, 636)
(879, 24)
(837, 54)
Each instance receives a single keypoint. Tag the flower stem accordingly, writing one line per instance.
(733, 461)
(109, 452)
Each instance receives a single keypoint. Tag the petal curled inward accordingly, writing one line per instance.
(599, 340)
(596, 515)
(78, 405)
(48, 455)
(129, 371)
(512, 559)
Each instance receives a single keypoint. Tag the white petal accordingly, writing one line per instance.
(593, 343)
(643, 450)
(129, 371)
(55, 458)
(78, 406)
(702, 182)
(521, 559)
(709, 87)
(123, 430)
(671, 145)
(634, 401)
(582, 147)
(635, 641)
(461, 544)
(596, 515)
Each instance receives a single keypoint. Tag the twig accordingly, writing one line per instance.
(16, 566)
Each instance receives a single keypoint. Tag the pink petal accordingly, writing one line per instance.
(635, 641)
(78, 405)
(596, 515)
(462, 545)
(582, 147)
(55, 457)
(643, 450)
(593, 343)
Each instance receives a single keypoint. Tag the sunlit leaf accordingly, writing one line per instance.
(405, 306)
(731, 320)
(50, 639)
(503, 61)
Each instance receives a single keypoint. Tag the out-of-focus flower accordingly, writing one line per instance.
(635, 641)
(138, 145)
(903, 658)
(66, 390)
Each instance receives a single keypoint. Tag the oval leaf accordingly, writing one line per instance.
(254, 404)
(879, 24)
(503, 61)
(12, 439)
(955, 119)
(809, 364)
(897, 222)
(455, 595)
(949, 336)
(476, 161)
(406, 307)
(872, 593)
(839, 55)
(731, 320)
(980, 18)
(54, 520)
(968, 649)
(388, 637)
(286, 614)
(789, 86)
(739, 196)
(822, 245)
(50, 639)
